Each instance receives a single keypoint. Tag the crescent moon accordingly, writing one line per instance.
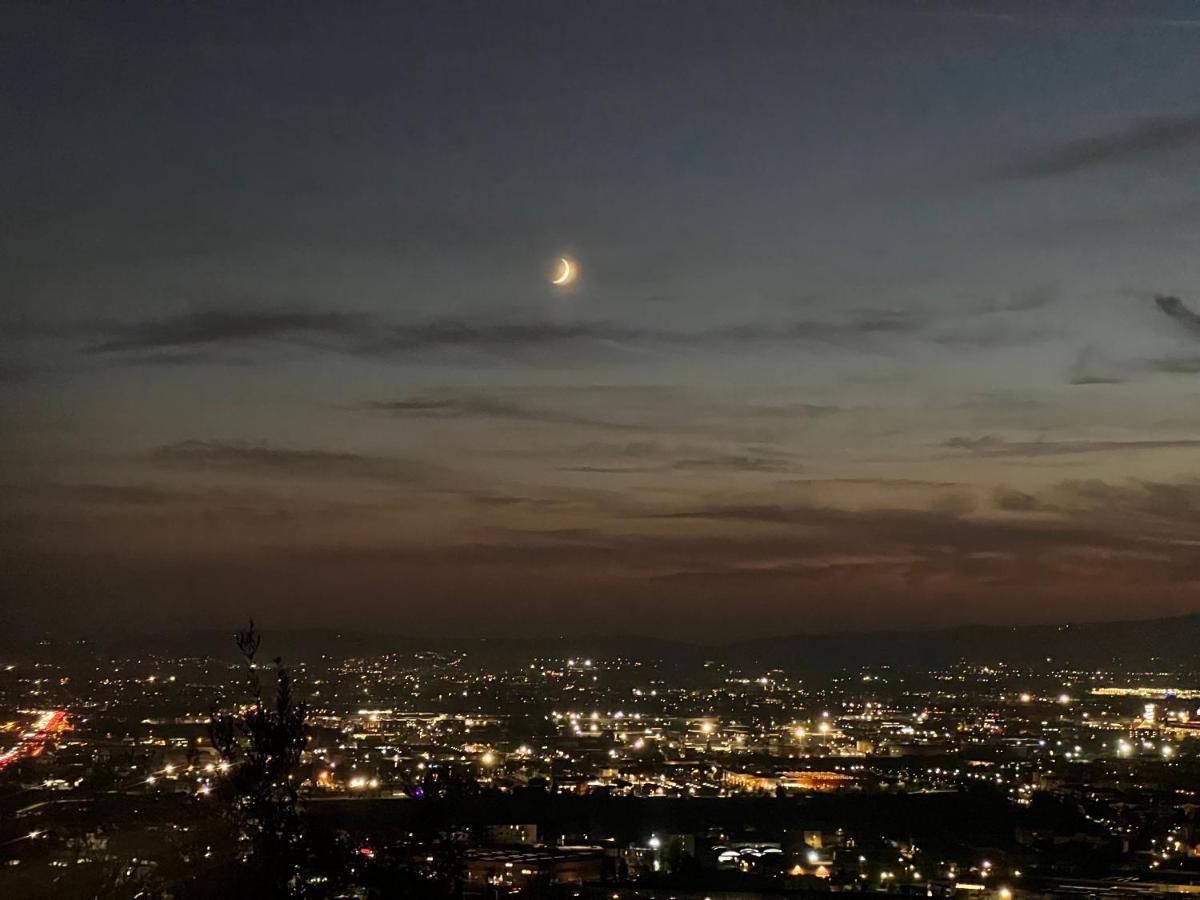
(566, 271)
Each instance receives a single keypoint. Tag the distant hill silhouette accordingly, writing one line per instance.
(1173, 642)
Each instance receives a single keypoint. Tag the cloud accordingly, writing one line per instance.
(731, 428)
(1178, 501)
(857, 323)
(610, 470)
(1012, 500)
(717, 463)
(1167, 511)
(1175, 308)
(932, 536)
(1070, 514)
(1137, 140)
(168, 357)
(1028, 299)
(765, 513)
(790, 410)
(1092, 367)
(209, 327)
(1096, 379)
(984, 335)
(508, 338)
(507, 501)
(496, 336)
(734, 463)
(1091, 544)
(988, 445)
(200, 336)
(95, 494)
(265, 459)
(626, 450)
(1175, 365)
(461, 406)
(875, 482)
(601, 450)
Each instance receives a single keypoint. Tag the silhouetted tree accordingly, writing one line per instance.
(448, 851)
(262, 742)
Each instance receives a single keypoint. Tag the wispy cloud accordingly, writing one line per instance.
(1175, 308)
(1012, 500)
(930, 535)
(1079, 513)
(1136, 140)
(268, 459)
(1170, 510)
(1175, 365)
(989, 445)
(717, 463)
(197, 336)
(208, 327)
(477, 405)
(94, 493)
(735, 463)
(1092, 368)
(1080, 380)
(609, 470)
(1174, 506)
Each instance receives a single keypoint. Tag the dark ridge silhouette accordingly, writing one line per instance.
(1170, 641)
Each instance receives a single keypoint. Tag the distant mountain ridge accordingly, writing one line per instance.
(1172, 642)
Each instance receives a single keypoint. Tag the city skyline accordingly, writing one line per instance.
(879, 316)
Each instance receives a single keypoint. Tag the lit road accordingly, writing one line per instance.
(34, 740)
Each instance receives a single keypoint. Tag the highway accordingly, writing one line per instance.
(33, 741)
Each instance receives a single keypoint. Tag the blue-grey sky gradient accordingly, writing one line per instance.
(886, 315)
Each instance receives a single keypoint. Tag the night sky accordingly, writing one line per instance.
(887, 315)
